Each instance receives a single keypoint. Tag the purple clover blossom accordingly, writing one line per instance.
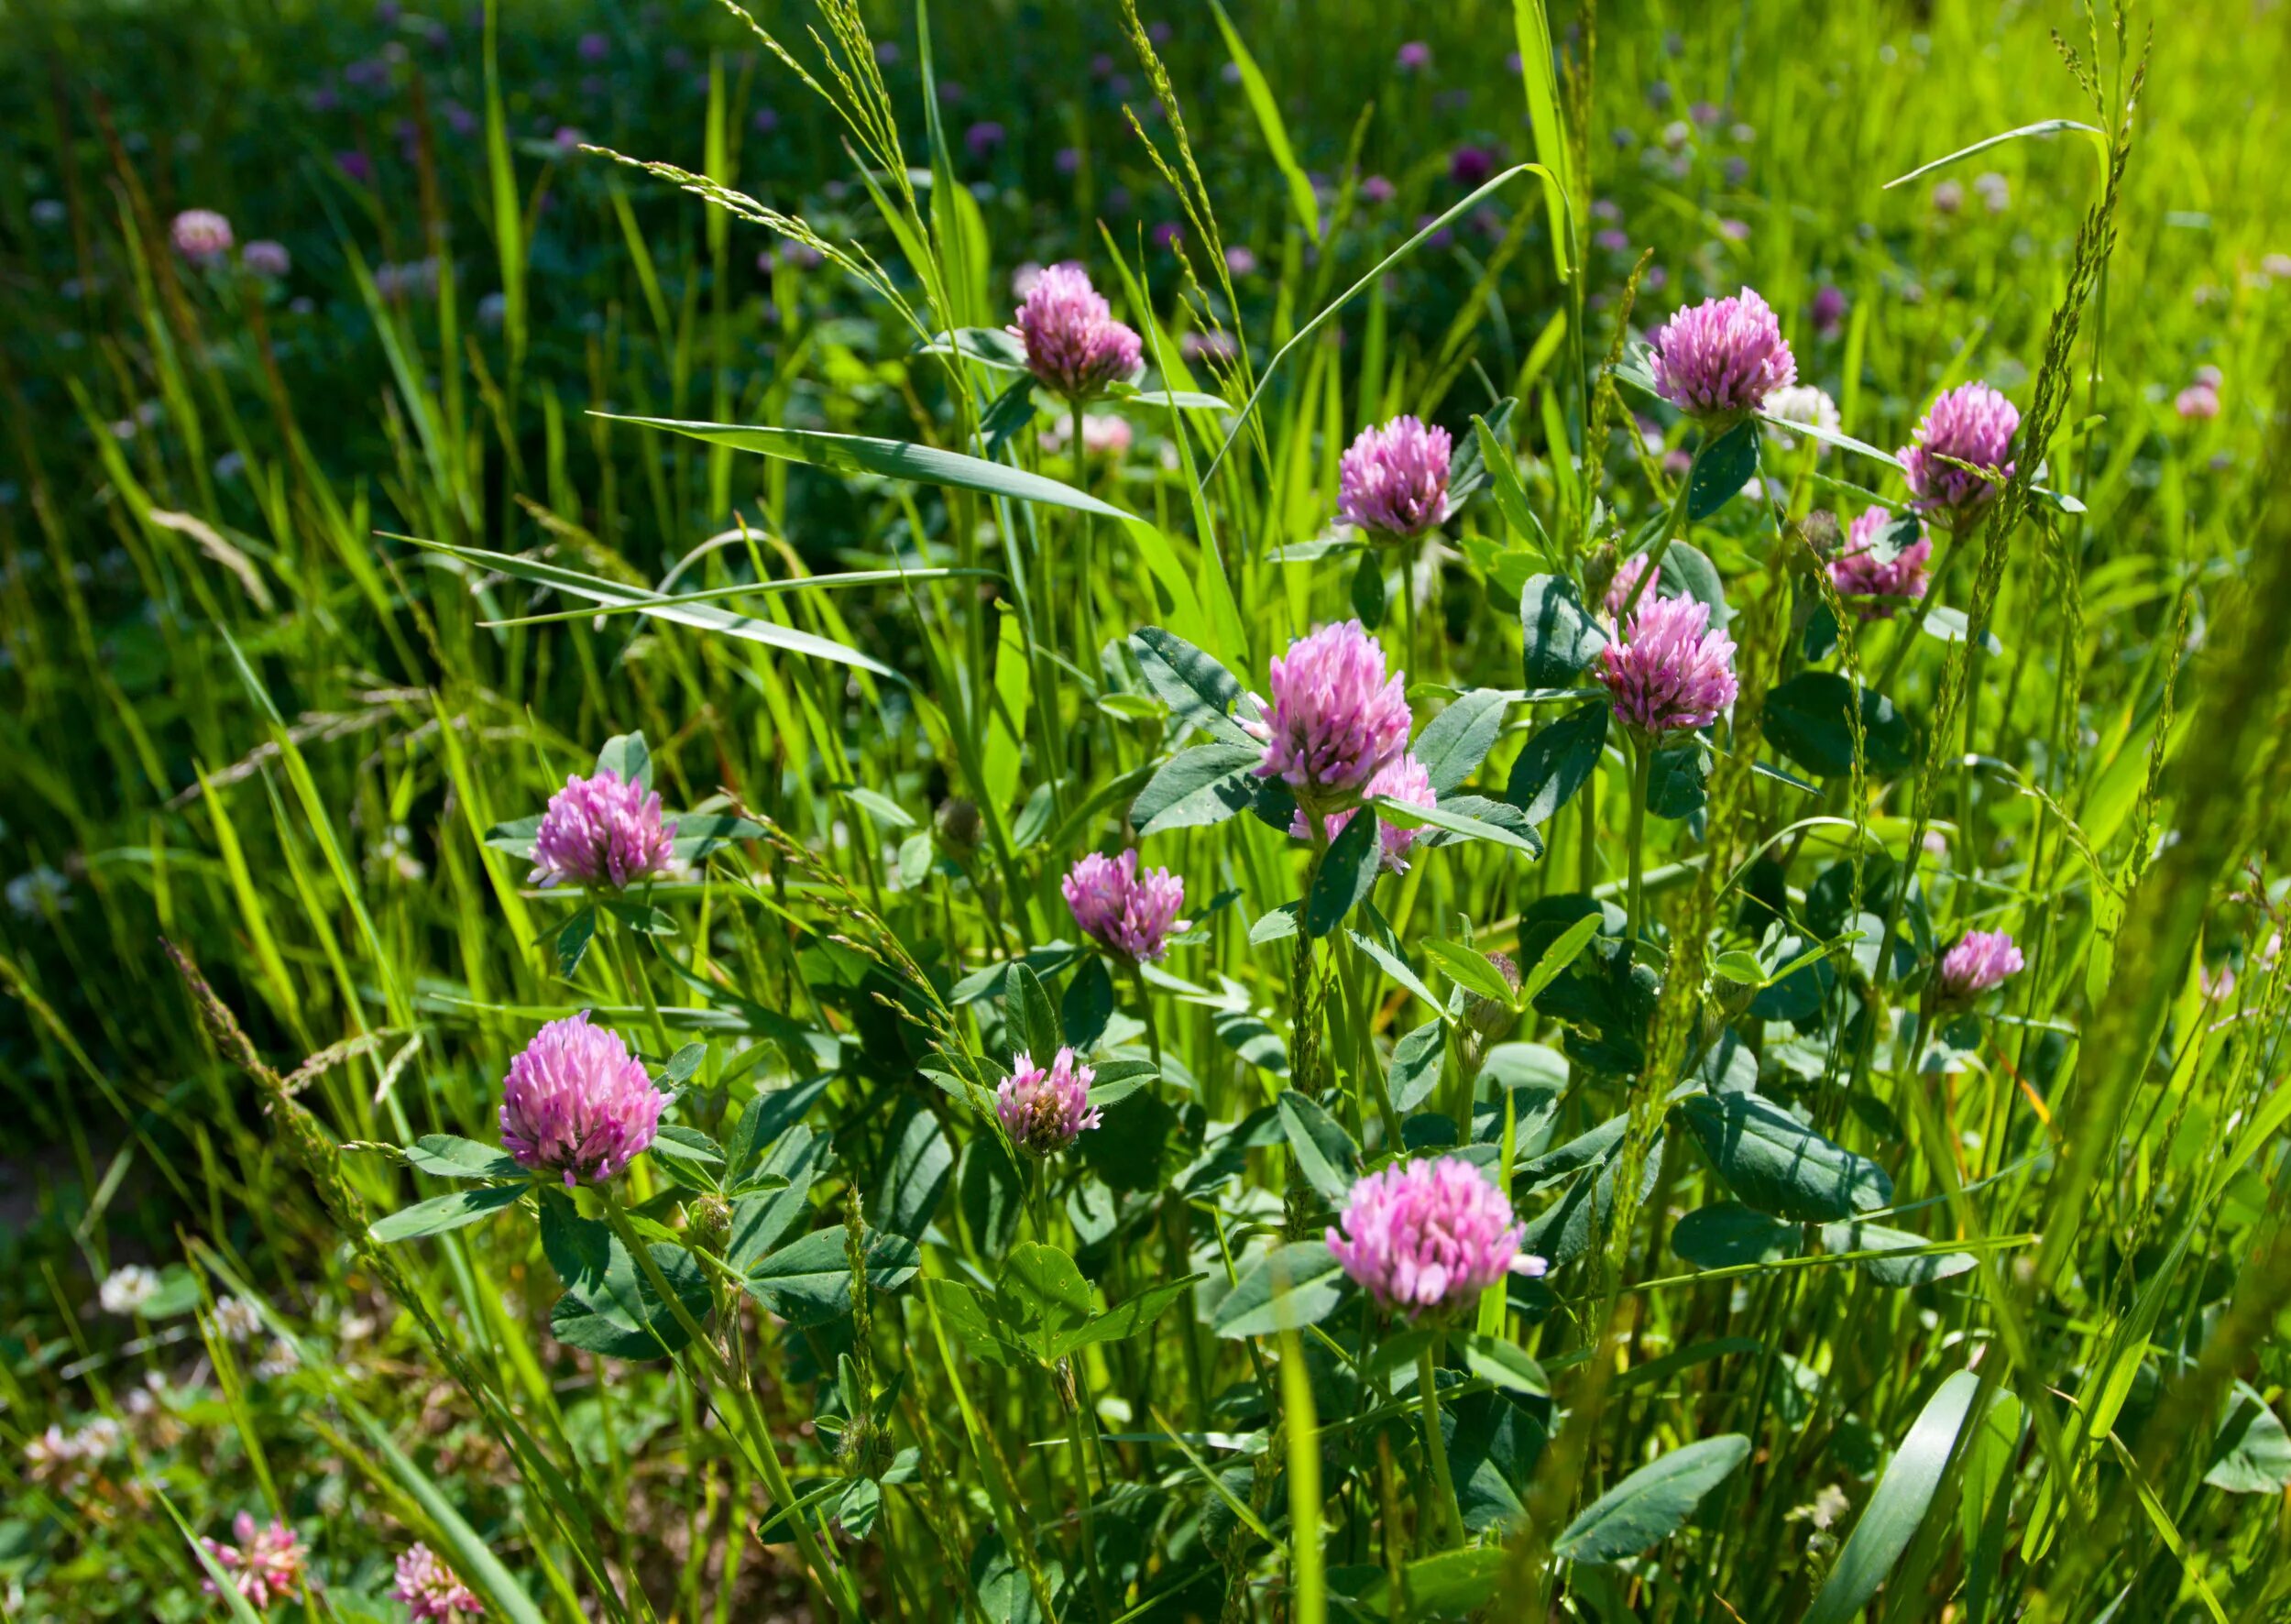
(1336, 720)
(1413, 57)
(1471, 166)
(594, 48)
(1858, 572)
(605, 830)
(1074, 346)
(1393, 481)
(267, 1564)
(432, 1591)
(1720, 359)
(984, 139)
(1045, 1111)
(1828, 310)
(1981, 961)
(1971, 424)
(1406, 780)
(1422, 1237)
(2197, 402)
(200, 235)
(1621, 590)
(1669, 671)
(1127, 913)
(267, 259)
(577, 1103)
(1376, 189)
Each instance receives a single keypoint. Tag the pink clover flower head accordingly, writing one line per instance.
(430, 1590)
(1858, 572)
(1671, 670)
(577, 1103)
(1828, 310)
(1405, 780)
(1074, 346)
(2197, 402)
(200, 235)
(1126, 912)
(1719, 359)
(267, 259)
(1972, 423)
(1471, 166)
(1393, 481)
(1981, 961)
(1336, 720)
(605, 830)
(266, 1566)
(1414, 57)
(1045, 1111)
(1626, 582)
(1422, 1236)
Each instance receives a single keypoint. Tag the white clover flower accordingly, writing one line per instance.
(1805, 403)
(237, 1318)
(128, 1290)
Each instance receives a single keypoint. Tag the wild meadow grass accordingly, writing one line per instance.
(725, 900)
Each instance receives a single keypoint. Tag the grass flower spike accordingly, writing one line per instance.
(603, 831)
(1971, 423)
(1671, 671)
(1044, 1111)
(1719, 360)
(1426, 1236)
(1336, 720)
(577, 1104)
(1125, 912)
(1074, 346)
(1393, 481)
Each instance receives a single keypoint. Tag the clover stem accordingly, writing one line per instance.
(831, 1579)
(1642, 770)
(1436, 1446)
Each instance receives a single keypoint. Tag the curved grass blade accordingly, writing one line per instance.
(2048, 127)
(858, 577)
(1430, 228)
(700, 616)
(893, 459)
